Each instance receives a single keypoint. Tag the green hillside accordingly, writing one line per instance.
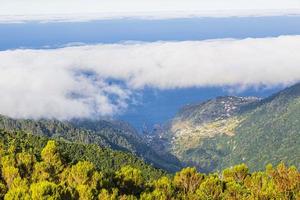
(211, 135)
(110, 134)
(230, 130)
(36, 168)
(104, 159)
(270, 133)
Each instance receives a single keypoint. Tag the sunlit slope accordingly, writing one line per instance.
(269, 133)
(231, 130)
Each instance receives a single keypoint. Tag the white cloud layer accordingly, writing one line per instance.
(77, 81)
(83, 10)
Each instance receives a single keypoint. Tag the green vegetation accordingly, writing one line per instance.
(34, 168)
(104, 159)
(245, 130)
(90, 160)
(110, 134)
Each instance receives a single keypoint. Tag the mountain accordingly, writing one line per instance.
(229, 130)
(110, 134)
(212, 135)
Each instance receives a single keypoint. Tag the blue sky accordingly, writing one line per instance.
(142, 70)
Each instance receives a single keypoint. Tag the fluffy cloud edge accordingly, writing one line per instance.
(101, 80)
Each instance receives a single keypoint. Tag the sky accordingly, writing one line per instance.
(88, 59)
(77, 10)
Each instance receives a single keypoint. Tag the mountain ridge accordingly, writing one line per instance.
(102, 133)
(215, 133)
(211, 135)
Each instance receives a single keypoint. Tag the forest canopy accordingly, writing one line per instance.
(30, 172)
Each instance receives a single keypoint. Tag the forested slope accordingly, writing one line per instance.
(114, 135)
(35, 168)
(229, 130)
(104, 159)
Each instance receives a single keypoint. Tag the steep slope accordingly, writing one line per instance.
(206, 120)
(230, 130)
(269, 133)
(104, 159)
(115, 135)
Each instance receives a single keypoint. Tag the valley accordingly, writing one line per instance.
(149, 100)
(212, 135)
(224, 148)
(229, 130)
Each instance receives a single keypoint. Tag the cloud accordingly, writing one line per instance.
(31, 88)
(100, 80)
(85, 10)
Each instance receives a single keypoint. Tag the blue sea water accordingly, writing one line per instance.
(40, 35)
(156, 106)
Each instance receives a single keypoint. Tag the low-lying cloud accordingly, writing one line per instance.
(100, 80)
